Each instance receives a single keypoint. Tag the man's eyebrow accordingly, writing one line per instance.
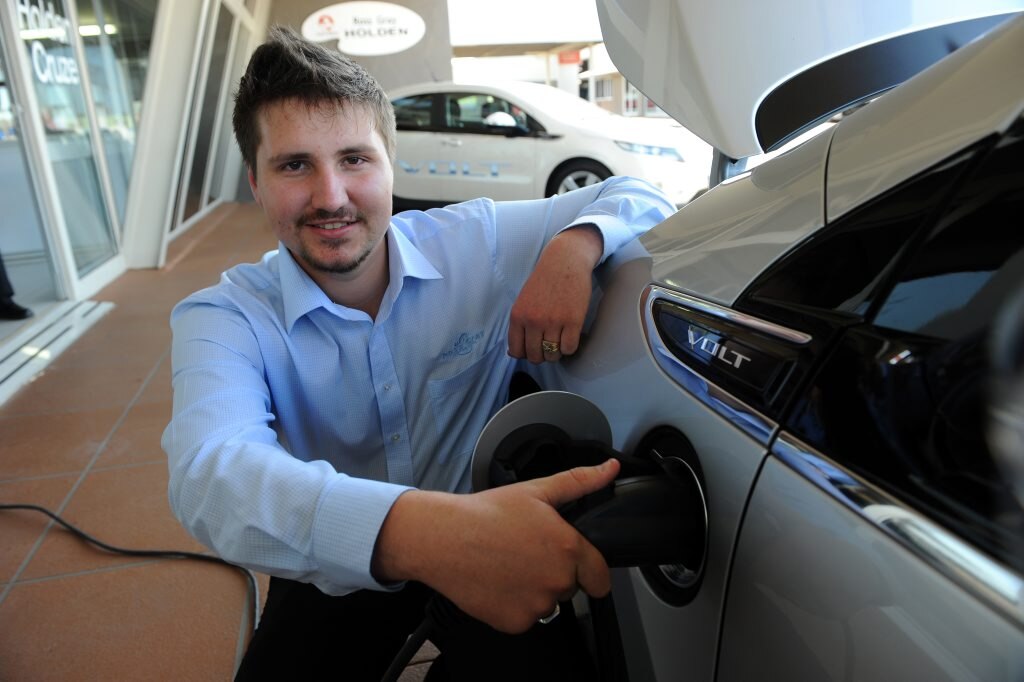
(285, 157)
(356, 149)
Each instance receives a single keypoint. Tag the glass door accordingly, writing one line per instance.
(116, 35)
(204, 117)
(27, 275)
(49, 45)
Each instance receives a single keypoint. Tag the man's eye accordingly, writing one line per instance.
(353, 160)
(294, 165)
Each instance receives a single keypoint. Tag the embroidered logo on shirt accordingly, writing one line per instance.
(463, 345)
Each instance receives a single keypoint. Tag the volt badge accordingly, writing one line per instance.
(702, 341)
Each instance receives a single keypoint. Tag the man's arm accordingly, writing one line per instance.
(504, 555)
(587, 225)
(234, 486)
(553, 303)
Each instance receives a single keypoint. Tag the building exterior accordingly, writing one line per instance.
(602, 84)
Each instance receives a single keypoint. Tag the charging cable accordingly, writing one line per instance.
(254, 589)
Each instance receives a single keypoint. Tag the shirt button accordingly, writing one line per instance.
(387, 387)
(395, 436)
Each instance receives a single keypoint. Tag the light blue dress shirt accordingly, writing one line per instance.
(298, 422)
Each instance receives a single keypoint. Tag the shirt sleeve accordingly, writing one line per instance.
(235, 487)
(622, 208)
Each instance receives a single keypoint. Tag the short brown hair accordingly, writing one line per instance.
(287, 66)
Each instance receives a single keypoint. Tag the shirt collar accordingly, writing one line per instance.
(302, 295)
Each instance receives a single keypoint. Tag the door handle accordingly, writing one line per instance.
(452, 142)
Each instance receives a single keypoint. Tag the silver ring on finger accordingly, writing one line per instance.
(550, 617)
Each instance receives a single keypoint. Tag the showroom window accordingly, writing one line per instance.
(117, 35)
(48, 43)
(207, 136)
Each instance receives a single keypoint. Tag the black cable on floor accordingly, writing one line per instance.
(155, 553)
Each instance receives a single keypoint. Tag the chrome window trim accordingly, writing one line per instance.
(743, 416)
(654, 292)
(989, 581)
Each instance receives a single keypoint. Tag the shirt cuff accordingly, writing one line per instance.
(613, 235)
(348, 520)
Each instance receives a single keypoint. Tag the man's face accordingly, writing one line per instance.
(324, 180)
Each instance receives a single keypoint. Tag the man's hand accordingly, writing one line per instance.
(504, 556)
(549, 312)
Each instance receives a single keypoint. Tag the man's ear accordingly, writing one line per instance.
(252, 185)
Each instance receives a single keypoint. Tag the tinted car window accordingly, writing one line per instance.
(903, 401)
(973, 261)
(412, 113)
(843, 267)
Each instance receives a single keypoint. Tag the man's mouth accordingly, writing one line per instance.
(331, 225)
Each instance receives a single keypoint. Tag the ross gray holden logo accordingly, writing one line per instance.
(701, 340)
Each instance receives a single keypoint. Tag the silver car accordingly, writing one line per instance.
(818, 343)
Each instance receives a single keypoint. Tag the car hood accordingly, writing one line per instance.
(746, 77)
(722, 241)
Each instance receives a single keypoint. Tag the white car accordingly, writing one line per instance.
(814, 357)
(521, 140)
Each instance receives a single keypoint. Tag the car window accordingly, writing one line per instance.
(413, 113)
(973, 261)
(482, 113)
(844, 267)
(903, 399)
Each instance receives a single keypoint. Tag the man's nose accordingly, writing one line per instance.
(329, 192)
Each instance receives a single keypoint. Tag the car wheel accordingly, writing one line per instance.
(575, 174)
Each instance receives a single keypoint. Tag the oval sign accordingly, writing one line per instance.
(365, 28)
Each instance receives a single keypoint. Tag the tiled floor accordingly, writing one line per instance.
(83, 440)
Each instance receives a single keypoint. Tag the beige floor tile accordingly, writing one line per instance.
(168, 620)
(19, 530)
(114, 347)
(158, 390)
(60, 389)
(46, 443)
(126, 507)
(137, 439)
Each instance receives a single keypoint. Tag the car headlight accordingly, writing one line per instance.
(651, 150)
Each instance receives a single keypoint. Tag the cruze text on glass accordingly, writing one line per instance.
(37, 23)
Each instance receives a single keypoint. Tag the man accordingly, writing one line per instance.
(327, 399)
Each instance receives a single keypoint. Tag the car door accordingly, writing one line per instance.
(881, 541)
(419, 177)
(481, 156)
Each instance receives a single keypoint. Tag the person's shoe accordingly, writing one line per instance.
(9, 310)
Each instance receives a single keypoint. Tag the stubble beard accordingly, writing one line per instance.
(334, 266)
